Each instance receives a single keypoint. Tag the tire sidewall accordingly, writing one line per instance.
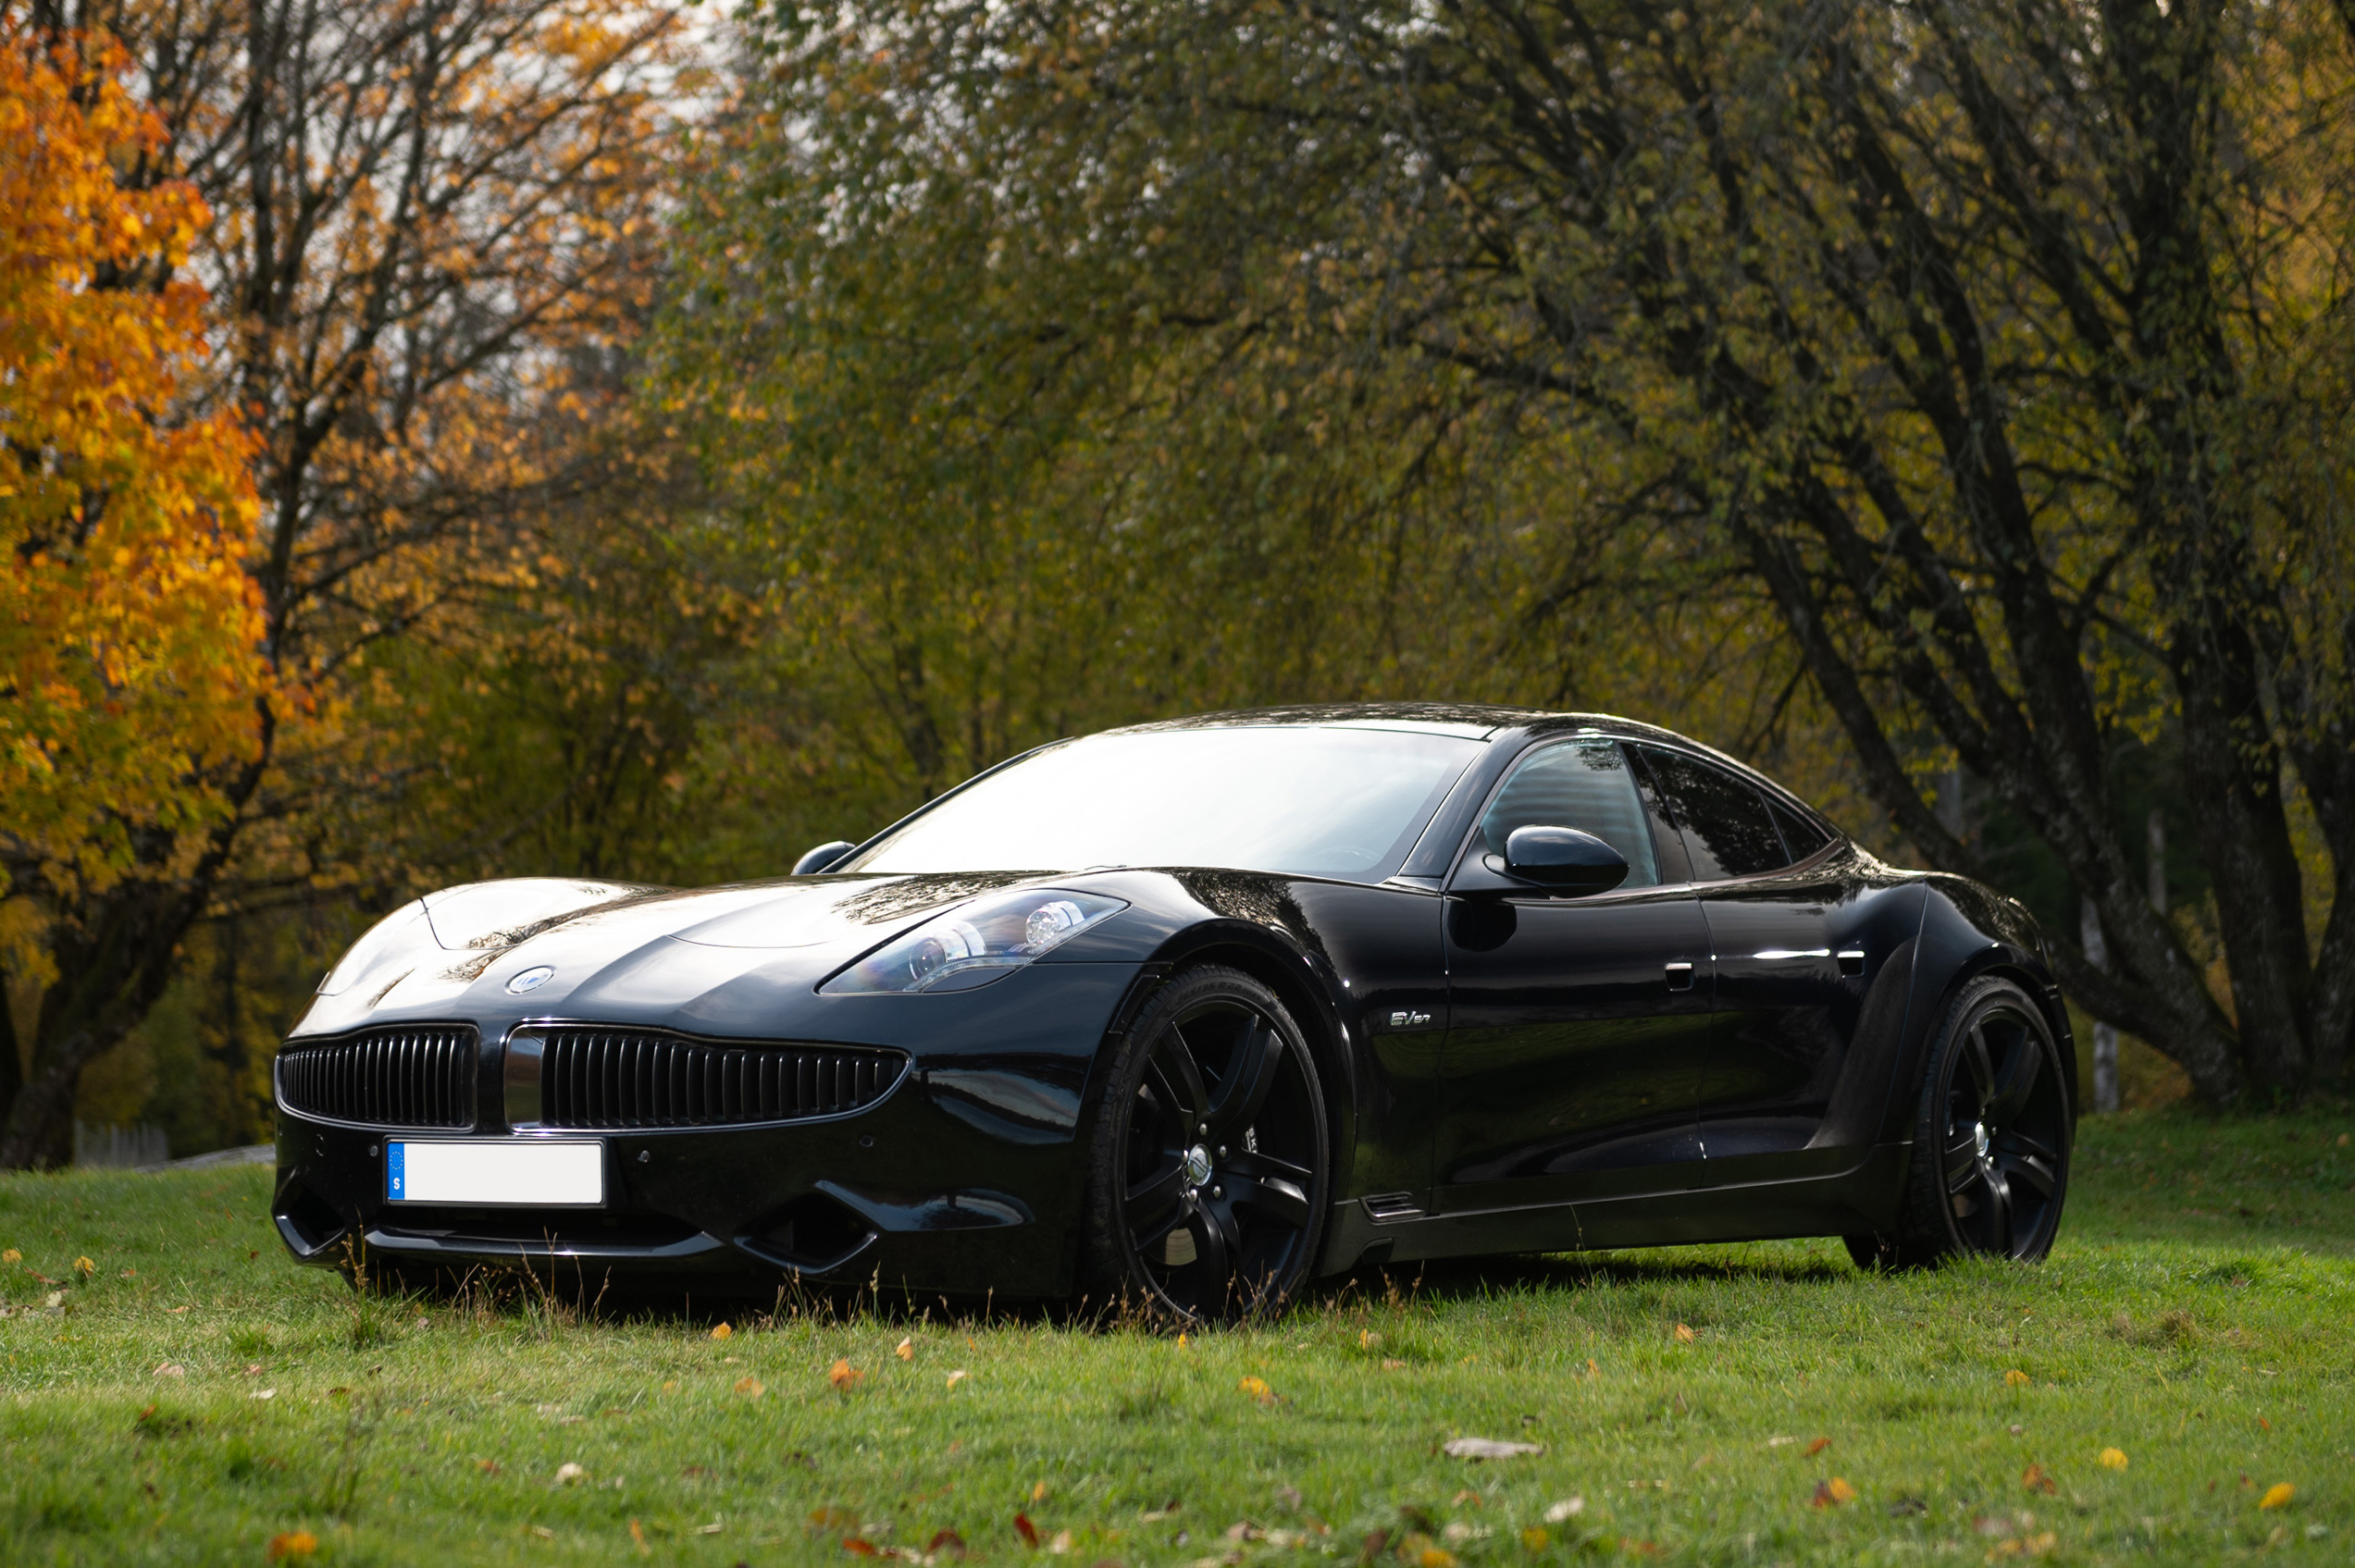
(1110, 1277)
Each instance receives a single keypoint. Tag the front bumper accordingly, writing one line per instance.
(965, 1180)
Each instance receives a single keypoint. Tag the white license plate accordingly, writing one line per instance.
(530, 1172)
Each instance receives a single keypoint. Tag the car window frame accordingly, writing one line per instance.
(1668, 857)
(1768, 791)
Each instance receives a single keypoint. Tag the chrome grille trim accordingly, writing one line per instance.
(593, 1078)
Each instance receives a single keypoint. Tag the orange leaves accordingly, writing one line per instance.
(749, 1386)
(2036, 1480)
(723, 1333)
(2015, 1379)
(294, 1545)
(1817, 1446)
(1684, 1334)
(1258, 1389)
(905, 1350)
(130, 634)
(844, 1376)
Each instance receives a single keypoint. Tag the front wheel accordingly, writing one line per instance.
(1209, 1180)
(1991, 1162)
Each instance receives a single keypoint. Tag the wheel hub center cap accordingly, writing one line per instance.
(1197, 1165)
(1978, 1136)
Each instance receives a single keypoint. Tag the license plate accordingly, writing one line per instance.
(524, 1172)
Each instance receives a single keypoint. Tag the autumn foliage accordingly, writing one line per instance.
(129, 631)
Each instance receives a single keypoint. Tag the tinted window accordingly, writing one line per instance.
(1586, 784)
(1800, 836)
(1320, 801)
(1727, 830)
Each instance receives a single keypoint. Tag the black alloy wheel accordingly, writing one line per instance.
(1209, 1174)
(1991, 1162)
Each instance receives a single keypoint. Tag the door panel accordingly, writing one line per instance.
(1577, 1025)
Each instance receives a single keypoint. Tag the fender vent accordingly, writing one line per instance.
(601, 1077)
(1389, 1208)
(417, 1077)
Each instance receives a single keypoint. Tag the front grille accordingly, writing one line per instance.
(420, 1076)
(599, 1078)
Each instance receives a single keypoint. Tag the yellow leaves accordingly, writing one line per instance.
(84, 1267)
(957, 1376)
(2112, 1459)
(905, 1350)
(750, 1385)
(1834, 1493)
(723, 1333)
(292, 1545)
(2025, 1546)
(844, 1376)
(1684, 1334)
(12, 1255)
(1535, 1537)
(1258, 1389)
(2015, 1379)
(2277, 1495)
(2036, 1480)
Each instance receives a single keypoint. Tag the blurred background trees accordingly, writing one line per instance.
(677, 439)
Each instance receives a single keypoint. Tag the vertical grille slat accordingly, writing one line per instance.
(604, 1078)
(418, 1077)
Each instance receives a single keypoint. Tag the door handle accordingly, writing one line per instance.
(1852, 960)
(1679, 977)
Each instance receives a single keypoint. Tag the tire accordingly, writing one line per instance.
(1209, 1170)
(1990, 1169)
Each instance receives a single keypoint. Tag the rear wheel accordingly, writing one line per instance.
(1208, 1182)
(1991, 1162)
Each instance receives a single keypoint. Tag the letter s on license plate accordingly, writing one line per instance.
(516, 1172)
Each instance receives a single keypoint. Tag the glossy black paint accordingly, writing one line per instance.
(1508, 1069)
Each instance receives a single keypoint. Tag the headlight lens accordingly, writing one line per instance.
(976, 943)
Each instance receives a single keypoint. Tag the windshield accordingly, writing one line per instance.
(1305, 800)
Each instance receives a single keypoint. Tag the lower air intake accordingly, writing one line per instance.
(617, 1078)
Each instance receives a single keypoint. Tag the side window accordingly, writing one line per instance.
(1727, 830)
(1800, 836)
(1583, 784)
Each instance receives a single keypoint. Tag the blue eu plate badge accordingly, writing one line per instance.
(394, 1175)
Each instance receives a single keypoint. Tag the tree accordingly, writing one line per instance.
(2003, 350)
(131, 682)
(423, 214)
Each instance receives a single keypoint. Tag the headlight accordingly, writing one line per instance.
(976, 943)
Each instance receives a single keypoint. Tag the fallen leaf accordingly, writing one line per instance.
(84, 1267)
(54, 1300)
(1832, 1493)
(2015, 1379)
(1288, 1498)
(12, 1255)
(722, 1331)
(1028, 1531)
(858, 1546)
(177, 1309)
(638, 1534)
(1243, 1530)
(1779, 1442)
(2277, 1494)
(1367, 1339)
(489, 1466)
(1684, 1334)
(957, 1376)
(1487, 1447)
(1258, 1389)
(906, 1349)
(1817, 1446)
(2036, 1480)
(832, 1516)
(1535, 1537)
(844, 1376)
(1435, 1557)
(751, 1386)
(948, 1541)
(1391, 1364)
(1634, 1547)
(542, 1531)
(568, 1473)
(266, 1393)
(1568, 1508)
(1373, 1545)
(1592, 1370)
(1038, 1491)
(1061, 1544)
(253, 1369)
(294, 1543)
(2113, 1459)
(171, 1369)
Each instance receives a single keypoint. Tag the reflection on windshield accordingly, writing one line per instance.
(1309, 801)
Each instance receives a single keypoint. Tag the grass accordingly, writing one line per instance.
(2194, 1318)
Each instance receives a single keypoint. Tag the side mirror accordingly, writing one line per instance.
(825, 855)
(1563, 858)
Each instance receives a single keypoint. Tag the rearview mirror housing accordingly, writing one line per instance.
(1563, 860)
(822, 856)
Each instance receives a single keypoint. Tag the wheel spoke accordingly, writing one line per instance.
(2036, 1173)
(1961, 1163)
(2028, 1146)
(1213, 1243)
(1149, 1200)
(1999, 1211)
(1982, 1070)
(1179, 1081)
(1250, 1164)
(1251, 1074)
(2019, 1081)
(1281, 1201)
(1148, 1238)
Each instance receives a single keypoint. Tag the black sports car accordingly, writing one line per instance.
(1192, 1013)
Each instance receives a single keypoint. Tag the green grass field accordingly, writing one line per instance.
(195, 1396)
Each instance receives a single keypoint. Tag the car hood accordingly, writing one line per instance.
(622, 951)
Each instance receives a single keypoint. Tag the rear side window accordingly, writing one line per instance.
(1728, 831)
(1800, 836)
(1583, 785)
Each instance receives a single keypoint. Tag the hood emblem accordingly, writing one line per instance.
(531, 979)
